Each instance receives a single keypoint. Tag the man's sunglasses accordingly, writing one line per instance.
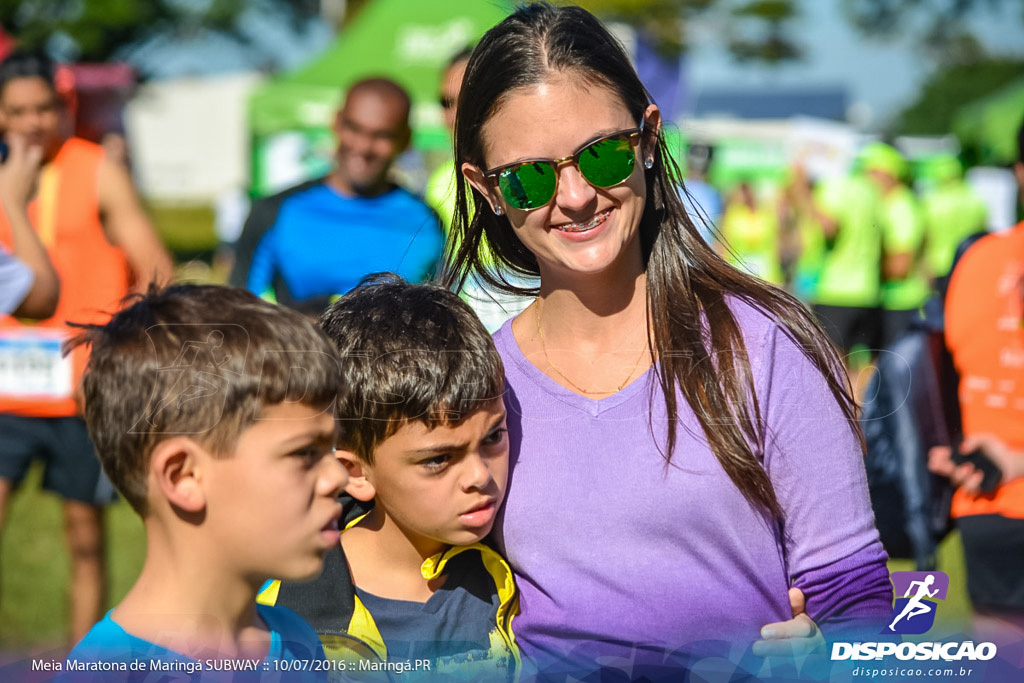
(604, 162)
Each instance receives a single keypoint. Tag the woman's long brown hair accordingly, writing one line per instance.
(694, 333)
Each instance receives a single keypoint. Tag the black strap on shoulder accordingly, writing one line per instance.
(326, 602)
(261, 218)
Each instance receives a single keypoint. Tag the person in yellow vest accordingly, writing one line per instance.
(905, 284)
(86, 212)
(750, 228)
(491, 305)
(440, 190)
(952, 213)
(803, 243)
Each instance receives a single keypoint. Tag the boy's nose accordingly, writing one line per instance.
(477, 474)
(334, 477)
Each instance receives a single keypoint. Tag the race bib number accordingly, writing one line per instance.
(31, 365)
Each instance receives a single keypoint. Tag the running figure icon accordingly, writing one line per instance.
(916, 606)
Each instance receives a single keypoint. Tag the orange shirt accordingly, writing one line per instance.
(34, 380)
(985, 334)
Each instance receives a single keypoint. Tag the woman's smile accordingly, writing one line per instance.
(584, 226)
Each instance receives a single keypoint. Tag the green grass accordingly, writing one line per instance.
(34, 565)
(188, 231)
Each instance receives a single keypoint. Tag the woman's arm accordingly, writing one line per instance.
(18, 177)
(813, 458)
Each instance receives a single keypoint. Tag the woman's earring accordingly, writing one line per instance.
(649, 162)
(498, 211)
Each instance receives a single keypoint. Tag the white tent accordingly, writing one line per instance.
(189, 137)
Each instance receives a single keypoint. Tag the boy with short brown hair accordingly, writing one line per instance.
(211, 411)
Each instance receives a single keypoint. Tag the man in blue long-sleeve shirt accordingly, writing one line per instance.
(317, 240)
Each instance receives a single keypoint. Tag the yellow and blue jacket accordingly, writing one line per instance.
(352, 641)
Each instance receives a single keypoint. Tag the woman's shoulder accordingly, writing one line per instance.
(756, 324)
(771, 344)
(503, 338)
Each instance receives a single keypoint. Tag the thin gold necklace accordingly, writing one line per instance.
(577, 387)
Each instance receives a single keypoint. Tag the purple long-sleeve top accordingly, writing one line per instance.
(615, 551)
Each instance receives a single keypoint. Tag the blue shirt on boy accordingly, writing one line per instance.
(109, 653)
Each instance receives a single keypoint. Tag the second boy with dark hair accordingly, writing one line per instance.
(423, 425)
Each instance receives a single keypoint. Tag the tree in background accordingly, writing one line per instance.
(950, 88)
(964, 69)
(754, 30)
(98, 30)
(939, 26)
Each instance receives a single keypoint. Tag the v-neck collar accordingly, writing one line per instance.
(581, 402)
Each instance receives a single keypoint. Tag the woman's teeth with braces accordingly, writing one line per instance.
(581, 227)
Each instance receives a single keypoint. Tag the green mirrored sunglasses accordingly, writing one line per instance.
(604, 162)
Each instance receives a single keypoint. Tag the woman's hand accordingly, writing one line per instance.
(796, 637)
(18, 175)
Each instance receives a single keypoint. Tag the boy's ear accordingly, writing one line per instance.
(174, 469)
(359, 487)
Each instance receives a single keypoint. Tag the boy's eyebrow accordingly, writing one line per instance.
(445, 447)
(312, 436)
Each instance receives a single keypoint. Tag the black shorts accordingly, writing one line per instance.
(72, 469)
(848, 326)
(895, 323)
(994, 555)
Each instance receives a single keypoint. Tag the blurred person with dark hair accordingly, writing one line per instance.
(750, 233)
(491, 305)
(440, 190)
(85, 210)
(312, 242)
(985, 335)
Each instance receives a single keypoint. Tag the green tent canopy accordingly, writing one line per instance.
(409, 41)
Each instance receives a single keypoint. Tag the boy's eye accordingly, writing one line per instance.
(436, 463)
(309, 455)
(495, 437)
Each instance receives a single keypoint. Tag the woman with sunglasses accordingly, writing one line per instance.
(684, 450)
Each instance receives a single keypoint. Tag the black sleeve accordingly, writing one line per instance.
(261, 218)
(326, 602)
